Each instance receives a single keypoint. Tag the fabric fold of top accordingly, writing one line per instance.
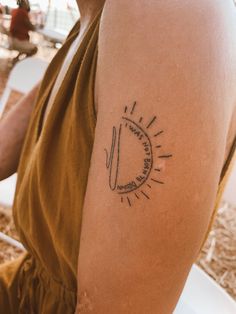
(52, 178)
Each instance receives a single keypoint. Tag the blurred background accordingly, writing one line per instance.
(54, 19)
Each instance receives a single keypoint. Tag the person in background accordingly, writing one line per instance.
(121, 157)
(1, 19)
(1, 12)
(3, 29)
(19, 31)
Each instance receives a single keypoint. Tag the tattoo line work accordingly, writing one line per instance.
(128, 201)
(133, 108)
(131, 131)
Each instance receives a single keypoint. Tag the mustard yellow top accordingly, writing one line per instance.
(52, 175)
(52, 180)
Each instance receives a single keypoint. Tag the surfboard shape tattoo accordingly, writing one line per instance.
(133, 175)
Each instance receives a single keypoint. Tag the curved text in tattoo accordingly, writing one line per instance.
(134, 186)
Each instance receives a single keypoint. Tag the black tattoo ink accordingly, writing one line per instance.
(134, 105)
(165, 156)
(160, 182)
(159, 133)
(145, 195)
(110, 160)
(129, 201)
(121, 181)
(152, 121)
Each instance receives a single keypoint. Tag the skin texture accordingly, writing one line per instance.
(171, 57)
(13, 127)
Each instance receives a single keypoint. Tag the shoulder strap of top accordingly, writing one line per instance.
(225, 173)
(228, 160)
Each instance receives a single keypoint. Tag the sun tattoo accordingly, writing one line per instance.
(134, 183)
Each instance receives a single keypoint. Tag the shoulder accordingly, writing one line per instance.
(190, 42)
(169, 9)
(172, 12)
(178, 60)
(181, 22)
(190, 22)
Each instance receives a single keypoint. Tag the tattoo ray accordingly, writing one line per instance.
(141, 119)
(134, 105)
(129, 201)
(145, 195)
(122, 199)
(152, 121)
(125, 109)
(165, 156)
(160, 182)
(157, 170)
(136, 196)
(159, 133)
(158, 146)
(149, 186)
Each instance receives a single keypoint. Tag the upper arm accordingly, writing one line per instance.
(164, 107)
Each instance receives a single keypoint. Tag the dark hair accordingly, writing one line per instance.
(20, 3)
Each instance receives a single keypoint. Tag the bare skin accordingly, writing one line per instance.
(13, 127)
(136, 249)
(26, 105)
(123, 265)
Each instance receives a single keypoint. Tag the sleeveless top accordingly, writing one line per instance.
(53, 173)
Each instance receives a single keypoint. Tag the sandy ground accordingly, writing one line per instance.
(218, 257)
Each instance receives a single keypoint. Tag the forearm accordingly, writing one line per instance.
(13, 128)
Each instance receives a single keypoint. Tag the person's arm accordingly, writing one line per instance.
(164, 108)
(13, 127)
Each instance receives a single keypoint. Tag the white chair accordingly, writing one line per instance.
(23, 77)
(58, 23)
(7, 191)
(202, 295)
